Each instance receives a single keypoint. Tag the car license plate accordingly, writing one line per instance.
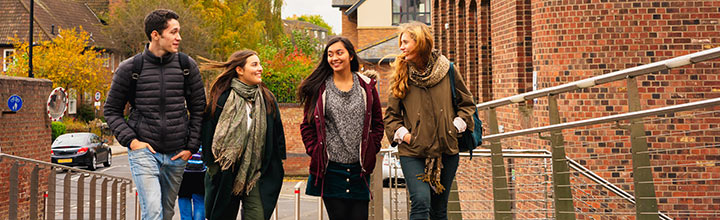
(65, 160)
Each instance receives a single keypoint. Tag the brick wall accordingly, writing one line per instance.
(297, 162)
(26, 134)
(484, 55)
(565, 41)
(349, 26)
(367, 36)
(599, 37)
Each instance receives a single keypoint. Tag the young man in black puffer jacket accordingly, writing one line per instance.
(163, 128)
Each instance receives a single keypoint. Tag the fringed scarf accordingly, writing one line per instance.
(234, 145)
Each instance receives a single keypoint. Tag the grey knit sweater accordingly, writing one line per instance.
(344, 113)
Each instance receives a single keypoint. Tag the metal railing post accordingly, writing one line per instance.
(642, 171)
(376, 190)
(13, 207)
(501, 193)
(80, 197)
(453, 206)
(564, 208)
(297, 200)
(275, 214)
(123, 200)
(113, 200)
(92, 198)
(66, 194)
(392, 183)
(138, 215)
(103, 198)
(50, 207)
(34, 193)
(320, 208)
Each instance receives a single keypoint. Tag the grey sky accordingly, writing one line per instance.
(314, 7)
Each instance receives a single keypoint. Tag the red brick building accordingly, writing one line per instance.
(503, 46)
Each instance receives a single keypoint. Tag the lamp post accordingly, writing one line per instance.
(30, 42)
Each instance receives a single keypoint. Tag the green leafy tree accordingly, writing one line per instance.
(127, 29)
(233, 25)
(240, 24)
(302, 42)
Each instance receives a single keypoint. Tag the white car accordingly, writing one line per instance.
(394, 171)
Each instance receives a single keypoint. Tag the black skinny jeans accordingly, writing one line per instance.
(346, 209)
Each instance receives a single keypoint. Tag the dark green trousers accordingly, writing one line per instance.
(222, 204)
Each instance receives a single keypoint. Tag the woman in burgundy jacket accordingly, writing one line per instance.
(341, 129)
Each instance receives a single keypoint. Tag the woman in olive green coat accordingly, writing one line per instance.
(243, 142)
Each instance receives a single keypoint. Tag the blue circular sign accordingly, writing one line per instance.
(15, 103)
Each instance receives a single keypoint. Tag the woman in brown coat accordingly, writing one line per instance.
(421, 119)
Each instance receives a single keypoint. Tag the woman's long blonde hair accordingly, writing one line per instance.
(423, 47)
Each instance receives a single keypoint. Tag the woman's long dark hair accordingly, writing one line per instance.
(308, 91)
(222, 81)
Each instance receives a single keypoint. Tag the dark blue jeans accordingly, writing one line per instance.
(424, 203)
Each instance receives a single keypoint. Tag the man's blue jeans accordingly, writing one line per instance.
(192, 208)
(157, 179)
(424, 202)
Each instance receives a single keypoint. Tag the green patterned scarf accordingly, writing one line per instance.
(234, 145)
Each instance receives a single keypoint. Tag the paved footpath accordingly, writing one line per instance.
(286, 202)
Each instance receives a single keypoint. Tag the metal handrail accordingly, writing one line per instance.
(606, 78)
(542, 153)
(119, 185)
(128, 180)
(606, 119)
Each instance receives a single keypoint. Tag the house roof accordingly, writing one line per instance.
(343, 3)
(295, 24)
(376, 51)
(354, 7)
(60, 13)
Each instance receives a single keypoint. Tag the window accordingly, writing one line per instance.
(106, 59)
(7, 57)
(404, 11)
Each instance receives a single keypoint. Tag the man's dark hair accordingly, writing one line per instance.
(157, 21)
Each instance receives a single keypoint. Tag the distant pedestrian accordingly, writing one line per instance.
(191, 197)
(341, 129)
(167, 98)
(420, 117)
(244, 141)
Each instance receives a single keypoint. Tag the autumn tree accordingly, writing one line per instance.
(241, 24)
(126, 26)
(67, 61)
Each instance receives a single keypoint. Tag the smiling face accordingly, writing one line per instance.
(169, 39)
(407, 46)
(338, 57)
(251, 73)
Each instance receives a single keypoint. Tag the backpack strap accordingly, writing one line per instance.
(184, 60)
(136, 70)
(451, 74)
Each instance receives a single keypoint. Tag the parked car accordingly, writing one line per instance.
(81, 149)
(395, 170)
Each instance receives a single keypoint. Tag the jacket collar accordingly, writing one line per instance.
(165, 59)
